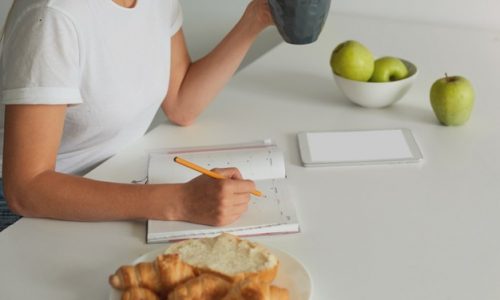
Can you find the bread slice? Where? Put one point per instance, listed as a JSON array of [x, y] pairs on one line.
[[228, 256]]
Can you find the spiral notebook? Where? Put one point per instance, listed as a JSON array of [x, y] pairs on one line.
[[263, 162]]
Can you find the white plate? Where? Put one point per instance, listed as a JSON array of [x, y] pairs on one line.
[[291, 275]]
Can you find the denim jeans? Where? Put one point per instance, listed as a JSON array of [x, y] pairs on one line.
[[6, 216]]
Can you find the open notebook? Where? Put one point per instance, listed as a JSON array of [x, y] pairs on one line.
[[262, 162]]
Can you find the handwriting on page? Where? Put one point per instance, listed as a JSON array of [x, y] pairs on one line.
[[272, 202], [253, 164]]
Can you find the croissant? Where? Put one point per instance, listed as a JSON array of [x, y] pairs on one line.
[[138, 293], [254, 289], [160, 276], [213, 287], [206, 286]]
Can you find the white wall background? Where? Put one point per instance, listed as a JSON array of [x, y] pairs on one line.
[[483, 14]]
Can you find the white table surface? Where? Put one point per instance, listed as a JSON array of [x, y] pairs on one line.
[[390, 232]]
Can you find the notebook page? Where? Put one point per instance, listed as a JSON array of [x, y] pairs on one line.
[[256, 164]]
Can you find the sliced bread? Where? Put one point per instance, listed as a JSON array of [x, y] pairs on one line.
[[228, 256]]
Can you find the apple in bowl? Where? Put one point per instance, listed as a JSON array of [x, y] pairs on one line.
[[352, 60], [377, 94], [368, 82], [389, 68]]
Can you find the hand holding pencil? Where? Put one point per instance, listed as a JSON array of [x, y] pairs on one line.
[[216, 202], [204, 171]]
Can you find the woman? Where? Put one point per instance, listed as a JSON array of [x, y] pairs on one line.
[[80, 80]]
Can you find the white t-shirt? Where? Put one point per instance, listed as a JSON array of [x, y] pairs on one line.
[[110, 64]]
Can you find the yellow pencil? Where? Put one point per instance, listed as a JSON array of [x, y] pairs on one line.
[[202, 170]]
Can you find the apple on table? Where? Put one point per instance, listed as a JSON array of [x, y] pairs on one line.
[[452, 99]]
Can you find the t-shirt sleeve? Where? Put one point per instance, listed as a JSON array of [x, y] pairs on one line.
[[39, 63], [175, 17]]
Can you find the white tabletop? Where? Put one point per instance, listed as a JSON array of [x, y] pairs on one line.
[[389, 232]]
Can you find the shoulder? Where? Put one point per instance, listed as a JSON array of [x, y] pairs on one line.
[[166, 7], [22, 7], [25, 12], [29, 19]]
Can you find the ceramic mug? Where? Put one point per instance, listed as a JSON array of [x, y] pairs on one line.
[[299, 21]]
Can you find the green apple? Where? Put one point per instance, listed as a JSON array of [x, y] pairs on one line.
[[389, 69], [452, 99], [352, 60]]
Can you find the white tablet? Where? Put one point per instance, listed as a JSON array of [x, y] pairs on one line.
[[328, 148]]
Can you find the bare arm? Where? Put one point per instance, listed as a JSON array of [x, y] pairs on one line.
[[193, 85], [33, 187]]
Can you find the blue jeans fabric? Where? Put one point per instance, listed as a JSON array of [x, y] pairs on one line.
[[7, 217]]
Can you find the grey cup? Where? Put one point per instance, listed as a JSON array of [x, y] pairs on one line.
[[299, 21]]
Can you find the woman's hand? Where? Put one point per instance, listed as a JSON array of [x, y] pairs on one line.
[[258, 15], [216, 202]]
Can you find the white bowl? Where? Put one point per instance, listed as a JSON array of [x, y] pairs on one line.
[[377, 94]]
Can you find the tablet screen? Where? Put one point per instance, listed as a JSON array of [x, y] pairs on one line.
[[358, 146]]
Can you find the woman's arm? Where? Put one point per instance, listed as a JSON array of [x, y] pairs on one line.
[[193, 85], [33, 188]]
